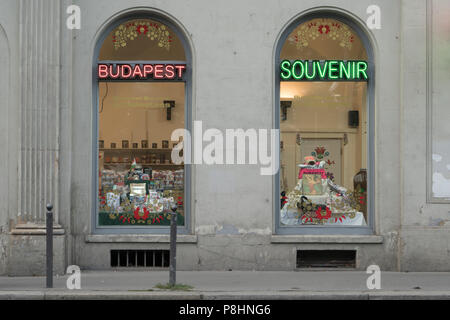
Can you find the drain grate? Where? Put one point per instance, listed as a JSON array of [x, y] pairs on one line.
[[140, 258], [326, 258]]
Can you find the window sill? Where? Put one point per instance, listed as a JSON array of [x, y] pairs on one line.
[[326, 239], [122, 238]]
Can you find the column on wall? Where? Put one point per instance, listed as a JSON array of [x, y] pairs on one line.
[[39, 111]]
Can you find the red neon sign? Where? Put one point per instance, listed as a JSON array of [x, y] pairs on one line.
[[108, 71]]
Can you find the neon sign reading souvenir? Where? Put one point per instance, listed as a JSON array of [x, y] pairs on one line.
[[117, 71], [333, 70]]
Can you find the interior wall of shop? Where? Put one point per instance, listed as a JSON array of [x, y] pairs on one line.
[[321, 113], [233, 87], [135, 112]]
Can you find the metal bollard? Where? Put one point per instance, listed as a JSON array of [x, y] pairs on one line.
[[173, 246], [49, 245]]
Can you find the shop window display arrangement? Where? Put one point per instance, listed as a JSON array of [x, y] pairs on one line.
[[317, 200], [140, 197]]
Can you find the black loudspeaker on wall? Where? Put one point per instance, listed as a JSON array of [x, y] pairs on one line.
[[353, 119]]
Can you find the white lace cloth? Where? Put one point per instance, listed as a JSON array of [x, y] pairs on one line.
[[290, 217]]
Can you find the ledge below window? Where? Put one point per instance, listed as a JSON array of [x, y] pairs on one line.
[[33, 229], [326, 239], [121, 238]]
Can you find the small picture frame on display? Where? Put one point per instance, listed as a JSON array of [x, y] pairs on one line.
[[312, 184]]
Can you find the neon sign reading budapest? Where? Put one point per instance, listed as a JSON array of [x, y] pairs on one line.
[[334, 70], [109, 71]]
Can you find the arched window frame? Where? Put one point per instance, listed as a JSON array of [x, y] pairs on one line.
[[187, 79], [363, 34]]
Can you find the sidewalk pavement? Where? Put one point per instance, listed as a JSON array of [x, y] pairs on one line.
[[233, 285]]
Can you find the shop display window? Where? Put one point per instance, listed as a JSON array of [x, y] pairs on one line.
[[324, 130], [138, 183]]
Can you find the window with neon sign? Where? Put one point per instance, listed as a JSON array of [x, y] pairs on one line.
[[141, 74], [323, 74]]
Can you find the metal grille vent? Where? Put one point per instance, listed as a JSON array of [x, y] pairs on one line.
[[326, 258], [140, 258]]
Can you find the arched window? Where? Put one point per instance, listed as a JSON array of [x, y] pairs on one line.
[[324, 81], [142, 77]]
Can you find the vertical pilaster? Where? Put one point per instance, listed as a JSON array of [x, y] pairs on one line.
[[39, 109]]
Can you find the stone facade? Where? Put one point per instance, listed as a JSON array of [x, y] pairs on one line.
[[46, 106]]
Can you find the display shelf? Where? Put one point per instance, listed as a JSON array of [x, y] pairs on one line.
[[145, 164], [137, 150]]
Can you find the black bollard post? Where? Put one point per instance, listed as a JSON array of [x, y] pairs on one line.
[[173, 246], [49, 245]]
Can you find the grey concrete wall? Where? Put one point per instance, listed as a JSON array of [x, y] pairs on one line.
[[233, 87], [28, 255], [232, 205], [4, 91], [9, 88], [30, 130], [425, 231]]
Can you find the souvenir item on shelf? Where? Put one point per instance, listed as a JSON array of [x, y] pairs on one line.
[[360, 180], [113, 200], [137, 189], [137, 200], [154, 204], [125, 144], [283, 198], [153, 194], [360, 185]]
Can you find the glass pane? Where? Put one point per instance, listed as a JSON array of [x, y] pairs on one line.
[[440, 73], [142, 39], [137, 180], [324, 124]]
